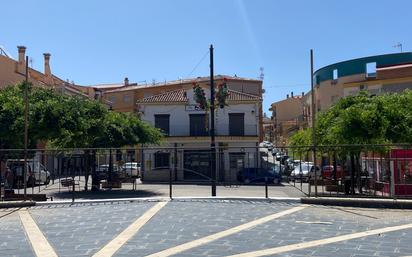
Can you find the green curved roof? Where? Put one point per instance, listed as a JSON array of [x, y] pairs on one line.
[[358, 66]]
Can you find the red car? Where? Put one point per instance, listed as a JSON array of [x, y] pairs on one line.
[[328, 171]]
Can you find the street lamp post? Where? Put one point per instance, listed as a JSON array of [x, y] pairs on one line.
[[212, 124], [313, 122], [26, 125]]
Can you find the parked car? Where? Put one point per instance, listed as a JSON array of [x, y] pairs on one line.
[[251, 175], [305, 171], [36, 173], [282, 158], [328, 172], [290, 166], [103, 171], [132, 169]]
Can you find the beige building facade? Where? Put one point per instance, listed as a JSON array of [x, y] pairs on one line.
[[13, 71]]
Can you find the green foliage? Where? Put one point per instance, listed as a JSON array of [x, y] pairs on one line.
[[68, 122], [365, 119], [300, 142]]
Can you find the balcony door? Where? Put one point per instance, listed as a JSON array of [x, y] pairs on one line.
[[236, 124], [162, 122], [198, 125]]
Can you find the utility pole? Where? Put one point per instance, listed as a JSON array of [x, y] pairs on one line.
[[313, 122], [26, 125], [212, 124]]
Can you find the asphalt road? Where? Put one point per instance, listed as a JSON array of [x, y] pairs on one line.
[[204, 228]]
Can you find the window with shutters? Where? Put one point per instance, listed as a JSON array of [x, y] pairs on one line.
[[162, 122], [236, 124], [198, 125]]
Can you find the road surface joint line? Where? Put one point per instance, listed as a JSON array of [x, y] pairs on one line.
[[113, 246], [228, 232], [309, 244], [38, 241]]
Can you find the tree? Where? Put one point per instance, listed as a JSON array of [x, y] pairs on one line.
[[68, 122]]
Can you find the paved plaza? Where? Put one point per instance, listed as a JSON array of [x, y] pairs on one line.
[[204, 228]]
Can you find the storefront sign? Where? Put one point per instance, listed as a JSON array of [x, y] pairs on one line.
[[193, 108]]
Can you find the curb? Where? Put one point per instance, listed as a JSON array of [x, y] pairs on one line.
[[4, 205], [359, 202], [154, 199], [330, 201]]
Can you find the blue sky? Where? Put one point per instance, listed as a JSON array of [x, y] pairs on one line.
[[104, 41]]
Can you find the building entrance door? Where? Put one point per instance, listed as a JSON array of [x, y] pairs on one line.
[[237, 164]]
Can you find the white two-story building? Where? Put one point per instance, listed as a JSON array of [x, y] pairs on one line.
[[186, 152]]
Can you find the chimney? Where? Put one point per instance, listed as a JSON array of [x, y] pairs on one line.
[[287, 96], [21, 65], [126, 81], [47, 70], [291, 94]]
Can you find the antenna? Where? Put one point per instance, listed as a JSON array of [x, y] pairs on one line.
[[399, 45], [261, 75]]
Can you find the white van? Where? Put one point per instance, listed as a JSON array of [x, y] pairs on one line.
[[36, 172]]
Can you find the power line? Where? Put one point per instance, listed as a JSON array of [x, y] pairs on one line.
[[197, 65]]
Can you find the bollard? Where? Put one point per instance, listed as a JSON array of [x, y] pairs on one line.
[[170, 185], [73, 189], [266, 188]]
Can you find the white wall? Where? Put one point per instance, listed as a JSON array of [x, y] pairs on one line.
[[180, 122]]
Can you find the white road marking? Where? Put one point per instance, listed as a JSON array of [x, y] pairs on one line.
[[113, 246], [299, 246], [314, 222], [228, 232], [38, 241]]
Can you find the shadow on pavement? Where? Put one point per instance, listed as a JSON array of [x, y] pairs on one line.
[[105, 194]]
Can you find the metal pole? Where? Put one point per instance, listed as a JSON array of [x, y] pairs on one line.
[[313, 121], [212, 123], [26, 124]]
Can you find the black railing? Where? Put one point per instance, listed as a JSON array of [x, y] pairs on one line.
[[346, 170]]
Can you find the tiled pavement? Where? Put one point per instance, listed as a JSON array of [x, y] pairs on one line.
[[83, 229]]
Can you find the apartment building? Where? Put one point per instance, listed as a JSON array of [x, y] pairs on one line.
[[124, 97], [13, 71], [376, 74], [186, 126], [380, 74], [288, 116]]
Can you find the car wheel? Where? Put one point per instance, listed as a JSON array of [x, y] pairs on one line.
[[247, 181], [47, 181], [276, 181]]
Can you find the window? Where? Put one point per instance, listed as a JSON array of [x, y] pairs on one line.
[[362, 87], [161, 160], [236, 124], [335, 74], [371, 69], [112, 99], [162, 122], [127, 99], [198, 125]]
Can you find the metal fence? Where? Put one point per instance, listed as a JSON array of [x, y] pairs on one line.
[[345, 170]]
